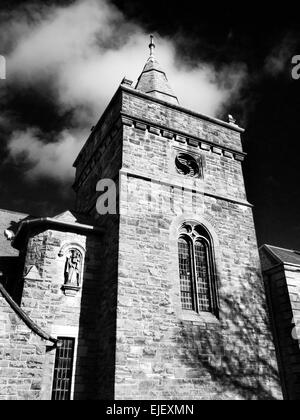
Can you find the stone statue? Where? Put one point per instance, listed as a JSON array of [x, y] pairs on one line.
[[73, 268]]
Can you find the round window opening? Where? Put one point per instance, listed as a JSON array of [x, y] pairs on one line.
[[187, 165]]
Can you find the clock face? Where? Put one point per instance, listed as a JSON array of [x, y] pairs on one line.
[[187, 165]]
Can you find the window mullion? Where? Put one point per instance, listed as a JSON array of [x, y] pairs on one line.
[[194, 277]]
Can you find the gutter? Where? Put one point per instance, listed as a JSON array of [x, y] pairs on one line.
[[25, 318], [27, 224]]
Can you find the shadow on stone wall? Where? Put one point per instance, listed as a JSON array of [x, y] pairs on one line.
[[95, 364], [11, 271], [12, 265], [235, 356], [234, 359]]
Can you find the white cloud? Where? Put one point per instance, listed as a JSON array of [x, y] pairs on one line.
[[52, 160], [83, 51]]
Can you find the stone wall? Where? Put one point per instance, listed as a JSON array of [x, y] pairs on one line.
[[162, 351], [101, 158], [283, 291], [65, 316], [22, 358], [56, 312], [179, 119], [107, 309]]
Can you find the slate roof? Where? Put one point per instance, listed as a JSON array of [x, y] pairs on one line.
[[283, 255], [154, 82], [9, 220]]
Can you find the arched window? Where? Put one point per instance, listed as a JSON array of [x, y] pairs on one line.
[[196, 269]]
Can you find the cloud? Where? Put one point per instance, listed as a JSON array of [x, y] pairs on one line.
[[205, 90], [52, 160], [279, 60], [82, 51]]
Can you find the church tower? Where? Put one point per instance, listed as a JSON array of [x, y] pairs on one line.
[[181, 310]]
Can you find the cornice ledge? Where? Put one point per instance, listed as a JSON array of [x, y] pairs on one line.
[[216, 121], [181, 137]]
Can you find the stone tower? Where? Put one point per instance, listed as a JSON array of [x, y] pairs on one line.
[[182, 311]]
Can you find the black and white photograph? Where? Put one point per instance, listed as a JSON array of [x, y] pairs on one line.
[[149, 203]]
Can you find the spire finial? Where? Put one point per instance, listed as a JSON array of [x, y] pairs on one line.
[[151, 46]]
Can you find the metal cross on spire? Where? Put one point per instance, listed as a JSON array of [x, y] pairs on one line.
[[151, 46]]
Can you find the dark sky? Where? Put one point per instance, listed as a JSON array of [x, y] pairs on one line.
[[268, 106]]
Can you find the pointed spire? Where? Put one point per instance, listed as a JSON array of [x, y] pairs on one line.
[[153, 79]]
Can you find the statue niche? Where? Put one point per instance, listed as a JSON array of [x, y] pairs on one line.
[[73, 268], [73, 272]]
